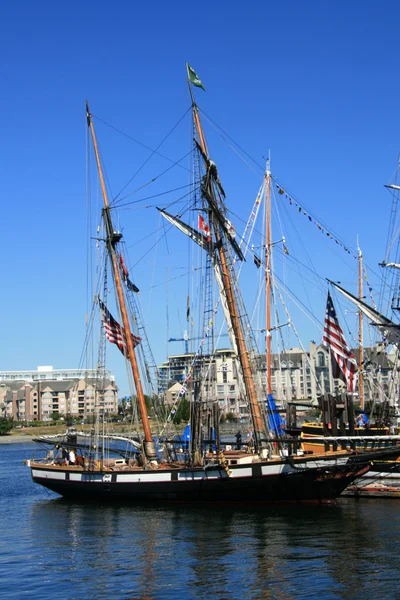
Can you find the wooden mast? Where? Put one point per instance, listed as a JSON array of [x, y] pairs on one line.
[[360, 338], [268, 274], [259, 428], [112, 239]]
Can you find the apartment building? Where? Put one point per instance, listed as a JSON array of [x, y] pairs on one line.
[[295, 375], [37, 395], [219, 379]]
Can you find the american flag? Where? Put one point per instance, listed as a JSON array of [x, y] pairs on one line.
[[114, 332], [344, 364]]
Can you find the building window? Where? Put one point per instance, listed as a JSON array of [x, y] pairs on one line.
[[321, 359]]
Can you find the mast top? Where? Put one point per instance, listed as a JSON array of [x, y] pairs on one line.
[[88, 115], [268, 165], [358, 248]]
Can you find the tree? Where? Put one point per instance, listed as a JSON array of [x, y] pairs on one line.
[[6, 425], [69, 420], [55, 416], [183, 412], [125, 406]]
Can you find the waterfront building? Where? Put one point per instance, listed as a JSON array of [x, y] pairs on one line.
[[295, 375], [219, 375], [37, 395]]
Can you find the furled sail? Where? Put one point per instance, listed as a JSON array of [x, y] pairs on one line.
[[390, 330], [203, 242]]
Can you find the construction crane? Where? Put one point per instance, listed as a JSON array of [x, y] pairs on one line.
[[187, 339]]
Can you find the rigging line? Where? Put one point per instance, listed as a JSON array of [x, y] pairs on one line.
[[391, 238], [310, 213], [164, 235], [89, 208], [300, 304], [285, 268], [171, 279], [277, 321], [308, 359], [316, 279], [344, 320], [242, 239], [154, 260], [166, 266], [293, 259], [156, 195], [217, 127], [151, 234], [137, 141], [379, 276], [115, 203], [151, 155], [90, 325], [389, 278], [237, 153], [310, 266]]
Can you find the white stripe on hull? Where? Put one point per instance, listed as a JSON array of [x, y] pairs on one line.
[[269, 469], [48, 474], [142, 477], [247, 472], [200, 475]]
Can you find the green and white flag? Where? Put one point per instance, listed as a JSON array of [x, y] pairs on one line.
[[193, 77]]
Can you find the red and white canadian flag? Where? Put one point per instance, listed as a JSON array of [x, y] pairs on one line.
[[203, 226]]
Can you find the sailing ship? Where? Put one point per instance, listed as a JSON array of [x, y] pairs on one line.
[[339, 424], [383, 479], [151, 470]]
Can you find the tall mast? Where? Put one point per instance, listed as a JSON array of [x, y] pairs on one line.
[[360, 334], [112, 239], [258, 423], [268, 274]]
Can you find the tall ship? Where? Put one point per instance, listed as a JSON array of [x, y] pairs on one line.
[[376, 421], [151, 468]]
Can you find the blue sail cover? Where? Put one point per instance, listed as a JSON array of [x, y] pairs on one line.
[[275, 420], [186, 434]]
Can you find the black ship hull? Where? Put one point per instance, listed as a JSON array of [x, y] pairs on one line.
[[270, 482]]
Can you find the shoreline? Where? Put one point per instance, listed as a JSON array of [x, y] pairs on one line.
[[15, 439]]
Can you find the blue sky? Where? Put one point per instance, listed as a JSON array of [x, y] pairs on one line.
[[314, 83]]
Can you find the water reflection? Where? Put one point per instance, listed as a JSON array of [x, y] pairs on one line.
[[134, 552], [72, 550]]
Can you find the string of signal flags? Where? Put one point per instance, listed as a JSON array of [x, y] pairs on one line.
[[282, 192], [292, 202]]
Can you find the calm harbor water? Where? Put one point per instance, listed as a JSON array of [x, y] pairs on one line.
[[50, 548]]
